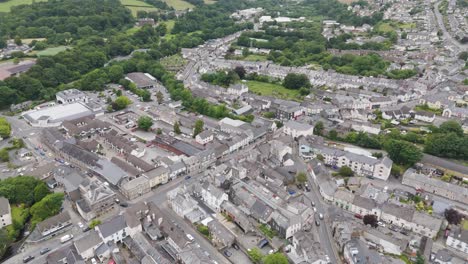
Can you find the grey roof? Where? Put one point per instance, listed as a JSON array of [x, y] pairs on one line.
[[260, 210], [402, 212], [141, 79], [53, 221], [365, 203], [459, 234], [109, 171], [112, 226], [427, 221], [92, 239], [161, 170], [4, 206], [297, 126]]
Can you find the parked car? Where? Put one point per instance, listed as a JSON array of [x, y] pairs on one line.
[[188, 177], [321, 216], [382, 224], [44, 250], [358, 216], [27, 259], [227, 253], [307, 187]]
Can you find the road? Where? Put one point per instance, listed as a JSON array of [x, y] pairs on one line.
[[326, 239], [446, 34]]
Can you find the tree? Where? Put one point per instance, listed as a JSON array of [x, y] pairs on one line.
[[94, 223], [451, 126], [115, 73], [402, 152], [5, 128], [296, 81], [4, 241], [275, 258], [419, 259], [18, 41], [40, 191], [198, 127], [345, 171], [333, 135], [318, 128], [453, 216], [160, 97], [255, 255], [240, 70], [301, 177], [320, 157], [177, 128], [159, 131], [371, 220], [145, 123], [121, 103], [47, 207]]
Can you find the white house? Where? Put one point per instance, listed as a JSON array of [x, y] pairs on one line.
[[296, 129], [5, 212], [113, 230], [237, 89], [424, 116], [71, 96], [458, 239], [213, 196], [204, 137]]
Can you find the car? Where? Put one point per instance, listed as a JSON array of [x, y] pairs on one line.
[[235, 246], [188, 177], [313, 204], [358, 216], [321, 216], [44, 250], [117, 200], [382, 224], [317, 222], [80, 225], [227, 253], [299, 186], [307, 187], [315, 209], [123, 204], [190, 237], [27, 259], [93, 261]]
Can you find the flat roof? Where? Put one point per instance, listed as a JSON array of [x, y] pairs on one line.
[[58, 113]]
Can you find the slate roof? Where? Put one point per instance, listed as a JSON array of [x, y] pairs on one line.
[[112, 226], [92, 239]]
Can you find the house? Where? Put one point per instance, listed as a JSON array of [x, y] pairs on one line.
[[285, 226], [424, 116], [296, 129], [386, 243], [356, 251], [97, 199], [221, 236], [71, 96], [237, 216], [194, 256], [136, 187], [213, 196], [86, 245], [181, 202], [237, 89], [458, 239], [54, 224], [306, 250], [204, 137], [5, 212], [157, 176], [67, 254], [114, 230]]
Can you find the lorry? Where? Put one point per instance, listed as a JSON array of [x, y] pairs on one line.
[[65, 238]]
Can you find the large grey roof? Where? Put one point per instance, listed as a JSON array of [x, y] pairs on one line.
[[365, 203], [109, 171], [405, 213], [112, 226], [90, 240]]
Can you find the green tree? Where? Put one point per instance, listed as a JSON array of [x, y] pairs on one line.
[[121, 102], [115, 73], [451, 126], [159, 97], [47, 207], [255, 255], [5, 128], [94, 223], [198, 127], [402, 152], [177, 128], [301, 177], [40, 191], [296, 81], [345, 171], [318, 128], [5, 241], [18, 41], [19, 190], [145, 123], [320, 157], [4, 155], [275, 258], [158, 131]]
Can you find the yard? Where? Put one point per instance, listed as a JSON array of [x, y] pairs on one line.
[[6, 6], [272, 89], [51, 51], [179, 4], [136, 5]]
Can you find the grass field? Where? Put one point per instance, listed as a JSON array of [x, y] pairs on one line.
[[209, 2], [5, 6], [51, 51], [136, 5], [179, 4], [255, 57], [271, 89], [173, 63], [388, 27]]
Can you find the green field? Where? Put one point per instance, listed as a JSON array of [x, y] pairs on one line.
[[255, 57], [271, 89], [179, 4], [173, 63], [6, 6], [209, 2], [392, 26], [51, 51], [136, 5], [464, 224]]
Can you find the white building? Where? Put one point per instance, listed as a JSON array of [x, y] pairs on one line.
[[458, 239], [71, 96], [213, 196], [5, 212], [54, 116], [296, 129], [424, 116], [204, 137], [113, 230]]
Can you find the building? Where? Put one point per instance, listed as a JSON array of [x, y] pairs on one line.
[[86, 245], [360, 164], [54, 116], [306, 250], [356, 252], [142, 80], [54, 224], [296, 129], [136, 187], [97, 199], [204, 137], [221, 236], [213, 196], [5, 212], [458, 239], [424, 116], [114, 229], [157, 176], [71, 96]]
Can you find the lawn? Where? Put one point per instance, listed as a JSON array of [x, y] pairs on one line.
[[385, 27], [179, 4], [173, 63], [51, 51], [255, 57], [6, 6], [169, 24], [464, 224], [136, 5], [271, 89], [209, 2]]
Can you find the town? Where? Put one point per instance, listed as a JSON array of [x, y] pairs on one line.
[[303, 132]]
